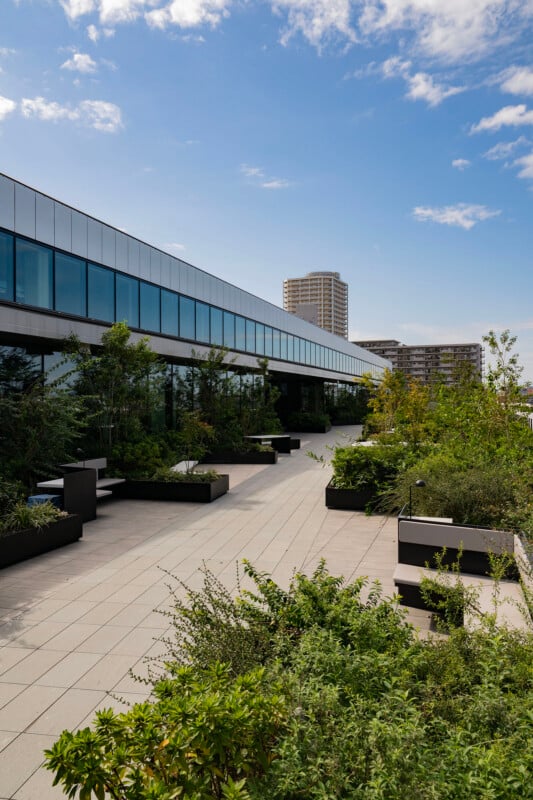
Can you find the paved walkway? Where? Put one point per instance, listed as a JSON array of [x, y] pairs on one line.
[[74, 621]]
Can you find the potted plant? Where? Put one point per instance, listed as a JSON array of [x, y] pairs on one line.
[[30, 531], [361, 474]]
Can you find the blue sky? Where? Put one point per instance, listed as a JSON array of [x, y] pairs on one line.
[[390, 140]]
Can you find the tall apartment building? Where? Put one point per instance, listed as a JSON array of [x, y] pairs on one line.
[[320, 298], [427, 361]]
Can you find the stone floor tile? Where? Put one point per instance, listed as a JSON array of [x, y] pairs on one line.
[[26, 707], [34, 665], [10, 656], [104, 639], [107, 672], [67, 712], [20, 759], [71, 637], [68, 671]]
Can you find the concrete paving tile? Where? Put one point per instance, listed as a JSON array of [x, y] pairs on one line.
[[8, 691], [132, 615], [102, 613], [5, 738], [20, 759], [67, 712], [39, 634], [104, 639], [138, 642], [72, 611], [34, 665], [68, 671], [26, 707], [10, 656], [39, 785], [71, 637], [107, 672]]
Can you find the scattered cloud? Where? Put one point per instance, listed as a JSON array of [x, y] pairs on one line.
[[517, 80], [80, 62], [318, 21], [525, 163], [175, 246], [506, 116], [258, 177], [95, 33], [504, 150], [77, 8], [7, 107], [420, 85], [188, 13], [6, 51], [462, 215], [460, 163], [98, 114]]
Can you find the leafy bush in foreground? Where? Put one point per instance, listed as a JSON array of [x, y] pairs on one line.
[[341, 700]]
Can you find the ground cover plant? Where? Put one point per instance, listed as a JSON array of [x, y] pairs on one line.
[[319, 691]]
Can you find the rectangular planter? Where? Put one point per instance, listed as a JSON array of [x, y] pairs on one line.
[[20, 545], [229, 457], [179, 491], [348, 499]]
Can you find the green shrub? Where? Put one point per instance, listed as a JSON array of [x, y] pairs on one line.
[[11, 492], [137, 459], [168, 475], [21, 517], [308, 421], [373, 468]]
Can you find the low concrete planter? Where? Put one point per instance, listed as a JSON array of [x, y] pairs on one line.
[[178, 491], [348, 499], [231, 457], [20, 545]]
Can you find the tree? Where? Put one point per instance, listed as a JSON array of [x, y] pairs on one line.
[[504, 375]]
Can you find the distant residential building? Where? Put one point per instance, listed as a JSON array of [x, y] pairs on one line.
[[320, 298], [427, 362]]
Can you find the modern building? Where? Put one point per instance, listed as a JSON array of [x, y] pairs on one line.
[[427, 362], [63, 272], [320, 298]]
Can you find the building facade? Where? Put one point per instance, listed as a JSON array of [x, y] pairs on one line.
[[428, 362], [63, 272], [320, 298]]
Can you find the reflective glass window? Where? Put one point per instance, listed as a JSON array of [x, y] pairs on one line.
[[229, 330], [216, 326], [6, 266], [260, 339], [187, 318], [34, 274], [127, 300], [150, 307], [240, 333], [250, 336], [101, 293], [276, 343], [169, 313], [71, 285], [268, 340], [283, 345], [307, 351], [296, 348], [290, 347], [202, 322]]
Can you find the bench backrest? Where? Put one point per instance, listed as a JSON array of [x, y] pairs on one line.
[[434, 534], [89, 463]]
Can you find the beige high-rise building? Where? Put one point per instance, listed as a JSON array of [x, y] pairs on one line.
[[321, 298]]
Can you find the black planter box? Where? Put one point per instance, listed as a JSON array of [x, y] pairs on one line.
[[348, 499], [20, 545], [231, 457], [178, 491]]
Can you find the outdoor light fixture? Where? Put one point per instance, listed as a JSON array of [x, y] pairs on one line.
[[419, 484]]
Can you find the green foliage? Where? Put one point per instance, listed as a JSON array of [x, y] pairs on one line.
[[373, 468], [309, 421], [168, 475], [10, 493], [20, 517], [326, 693], [346, 406], [195, 436], [137, 459]]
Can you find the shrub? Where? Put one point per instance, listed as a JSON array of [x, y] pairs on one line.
[[309, 421], [168, 475], [372, 468], [21, 517], [137, 459]]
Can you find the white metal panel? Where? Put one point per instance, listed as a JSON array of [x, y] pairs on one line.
[[108, 246], [94, 240], [44, 219], [24, 210], [133, 257], [175, 274], [155, 266], [144, 254], [165, 270], [79, 234], [63, 227], [7, 203], [121, 251]]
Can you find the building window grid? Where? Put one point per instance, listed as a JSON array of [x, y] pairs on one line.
[[298, 350]]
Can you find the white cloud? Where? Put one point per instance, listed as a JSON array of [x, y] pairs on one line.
[[517, 80], [506, 116], [460, 163], [93, 33], [97, 114], [316, 20], [503, 150], [176, 246], [7, 107], [526, 166], [462, 215], [450, 30], [420, 85], [252, 172], [275, 183], [80, 62], [188, 13], [77, 8]]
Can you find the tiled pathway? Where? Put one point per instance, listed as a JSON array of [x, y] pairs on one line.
[[74, 621]]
